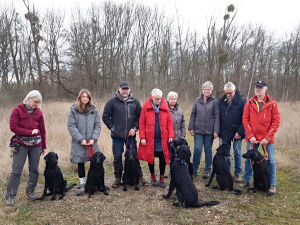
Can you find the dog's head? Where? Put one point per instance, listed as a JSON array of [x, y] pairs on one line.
[[223, 150], [254, 155], [180, 149], [184, 153], [131, 152], [51, 159], [98, 159]]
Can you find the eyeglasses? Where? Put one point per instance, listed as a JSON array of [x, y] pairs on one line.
[[36, 102], [157, 99], [228, 93]]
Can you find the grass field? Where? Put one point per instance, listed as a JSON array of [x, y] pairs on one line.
[[147, 206]]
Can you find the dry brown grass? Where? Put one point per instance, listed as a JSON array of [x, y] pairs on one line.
[[146, 206]]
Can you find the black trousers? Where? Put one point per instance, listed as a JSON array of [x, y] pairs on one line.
[[162, 163]]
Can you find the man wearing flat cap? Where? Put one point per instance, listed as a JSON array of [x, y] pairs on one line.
[[121, 115], [261, 120]]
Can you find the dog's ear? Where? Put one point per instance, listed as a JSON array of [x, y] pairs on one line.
[[56, 156], [46, 157], [103, 157]]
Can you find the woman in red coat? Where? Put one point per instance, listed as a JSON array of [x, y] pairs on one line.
[[156, 131]]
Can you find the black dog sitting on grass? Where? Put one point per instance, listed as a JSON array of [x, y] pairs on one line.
[[95, 178], [260, 170], [54, 180], [220, 169], [131, 174], [186, 191]]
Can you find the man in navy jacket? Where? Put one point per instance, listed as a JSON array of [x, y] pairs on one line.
[[231, 107]]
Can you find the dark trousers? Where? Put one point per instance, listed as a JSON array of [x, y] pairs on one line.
[[118, 149], [81, 170], [19, 159], [162, 163]]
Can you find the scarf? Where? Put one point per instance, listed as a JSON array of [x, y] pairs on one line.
[[155, 107]]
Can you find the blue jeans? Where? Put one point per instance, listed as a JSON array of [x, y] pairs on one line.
[[199, 141], [271, 164], [237, 151]]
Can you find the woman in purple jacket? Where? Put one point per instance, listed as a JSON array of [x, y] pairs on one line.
[[27, 122]]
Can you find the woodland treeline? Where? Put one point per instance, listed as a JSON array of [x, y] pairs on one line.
[[111, 42]]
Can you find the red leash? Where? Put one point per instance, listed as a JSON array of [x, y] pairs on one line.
[[90, 151]]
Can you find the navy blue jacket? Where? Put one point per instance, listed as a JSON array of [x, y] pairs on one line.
[[231, 116]]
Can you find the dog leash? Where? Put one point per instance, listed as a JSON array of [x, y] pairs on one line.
[[90, 150], [266, 155]]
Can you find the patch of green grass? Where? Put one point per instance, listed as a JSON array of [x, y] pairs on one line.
[[24, 214]]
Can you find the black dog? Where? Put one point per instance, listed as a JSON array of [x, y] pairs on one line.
[[54, 180], [260, 170], [95, 178], [186, 153], [186, 191], [131, 174], [223, 176]]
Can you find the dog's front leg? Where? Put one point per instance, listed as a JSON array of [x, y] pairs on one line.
[[44, 192], [54, 187], [171, 189], [211, 178], [103, 186]]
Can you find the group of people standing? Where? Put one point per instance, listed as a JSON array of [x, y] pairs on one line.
[[159, 121]]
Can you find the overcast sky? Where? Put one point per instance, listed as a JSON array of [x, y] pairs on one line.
[[278, 16]]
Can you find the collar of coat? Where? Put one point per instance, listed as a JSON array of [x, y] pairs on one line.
[[235, 99], [130, 96], [210, 98], [164, 105]]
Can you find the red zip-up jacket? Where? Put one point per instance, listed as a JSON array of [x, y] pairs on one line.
[[264, 123], [22, 123]]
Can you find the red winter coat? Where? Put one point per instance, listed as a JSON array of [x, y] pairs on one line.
[[22, 123], [263, 124], [147, 130]]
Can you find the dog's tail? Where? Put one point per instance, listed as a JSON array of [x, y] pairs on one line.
[[237, 191], [211, 203], [68, 188]]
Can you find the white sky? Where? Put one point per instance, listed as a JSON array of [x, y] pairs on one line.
[[278, 16]]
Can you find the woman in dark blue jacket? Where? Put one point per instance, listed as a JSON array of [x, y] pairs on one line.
[[231, 107]]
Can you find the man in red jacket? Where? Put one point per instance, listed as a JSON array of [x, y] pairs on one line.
[[261, 120]]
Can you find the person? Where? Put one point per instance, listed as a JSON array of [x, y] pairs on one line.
[[84, 128], [156, 131], [261, 120], [121, 115], [177, 115], [231, 107], [204, 125], [27, 123]]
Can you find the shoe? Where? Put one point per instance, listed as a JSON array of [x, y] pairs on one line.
[[9, 200], [206, 175], [162, 181], [237, 177], [153, 180], [244, 184], [81, 189], [116, 183], [30, 195], [272, 190], [144, 182]]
